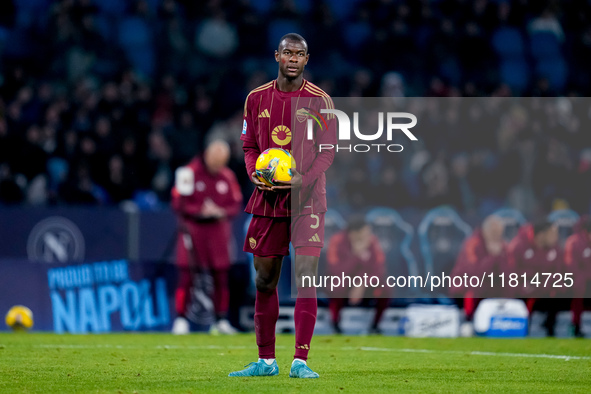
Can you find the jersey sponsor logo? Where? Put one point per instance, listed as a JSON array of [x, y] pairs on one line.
[[222, 187], [252, 242], [281, 135], [244, 127], [264, 114], [315, 238]]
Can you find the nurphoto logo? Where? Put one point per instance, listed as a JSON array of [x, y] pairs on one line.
[[344, 130]]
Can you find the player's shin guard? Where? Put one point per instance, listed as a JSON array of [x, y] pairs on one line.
[[306, 308], [266, 313]]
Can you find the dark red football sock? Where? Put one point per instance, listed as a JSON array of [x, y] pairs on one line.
[[182, 291], [306, 308], [381, 306], [577, 307], [266, 312], [335, 305], [221, 294]]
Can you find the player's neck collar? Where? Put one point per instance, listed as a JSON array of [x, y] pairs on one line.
[[276, 87]]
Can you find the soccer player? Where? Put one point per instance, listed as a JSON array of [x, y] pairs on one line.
[[483, 251], [356, 251], [277, 219], [206, 194]]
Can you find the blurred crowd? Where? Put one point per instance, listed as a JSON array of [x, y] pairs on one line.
[[100, 101], [474, 154]]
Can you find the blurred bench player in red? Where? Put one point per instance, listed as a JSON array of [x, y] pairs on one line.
[[535, 250], [356, 251], [484, 251], [205, 196], [577, 259]]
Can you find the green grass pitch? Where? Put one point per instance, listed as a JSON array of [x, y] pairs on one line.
[[162, 363]]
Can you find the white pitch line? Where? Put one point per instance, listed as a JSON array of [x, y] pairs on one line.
[[474, 353], [364, 348], [158, 347]]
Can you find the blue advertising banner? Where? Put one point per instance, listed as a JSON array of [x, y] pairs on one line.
[[92, 297], [63, 234]]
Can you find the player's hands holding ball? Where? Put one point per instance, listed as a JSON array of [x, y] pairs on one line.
[[258, 183], [275, 170], [295, 181]]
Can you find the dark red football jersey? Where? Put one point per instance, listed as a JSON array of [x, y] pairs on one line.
[[268, 124], [222, 188]]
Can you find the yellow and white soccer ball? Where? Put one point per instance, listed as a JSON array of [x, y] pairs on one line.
[[274, 165], [19, 318]]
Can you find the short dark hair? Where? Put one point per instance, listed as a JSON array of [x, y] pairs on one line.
[[541, 226], [293, 37], [356, 223]]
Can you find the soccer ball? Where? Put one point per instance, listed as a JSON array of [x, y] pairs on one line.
[[274, 165], [19, 318]]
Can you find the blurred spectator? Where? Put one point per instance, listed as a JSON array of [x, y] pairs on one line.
[[216, 37], [83, 82]]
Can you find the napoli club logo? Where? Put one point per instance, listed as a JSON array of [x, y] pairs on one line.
[[55, 240]]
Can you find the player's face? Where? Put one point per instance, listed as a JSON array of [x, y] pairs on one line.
[[495, 232], [292, 57], [552, 236], [360, 239]]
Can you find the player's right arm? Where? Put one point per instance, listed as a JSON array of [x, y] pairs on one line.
[[249, 144]]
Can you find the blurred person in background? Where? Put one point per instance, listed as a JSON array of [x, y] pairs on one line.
[[483, 251], [535, 250], [205, 196], [577, 259], [356, 251]]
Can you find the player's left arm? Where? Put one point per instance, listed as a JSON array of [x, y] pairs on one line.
[[325, 157]]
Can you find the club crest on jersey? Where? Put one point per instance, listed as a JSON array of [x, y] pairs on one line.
[[281, 135], [252, 242], [222, 187], [301, 115]]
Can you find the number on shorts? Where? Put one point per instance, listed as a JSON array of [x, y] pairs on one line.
[[317, 221]]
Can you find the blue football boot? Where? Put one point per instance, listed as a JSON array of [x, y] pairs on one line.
[[260, 368], [300, 370]]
